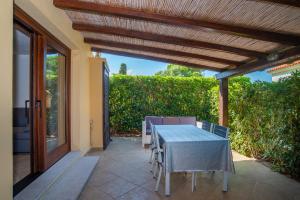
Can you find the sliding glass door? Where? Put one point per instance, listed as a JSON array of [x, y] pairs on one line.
[[41, 133], [55, 76], [22, 104]]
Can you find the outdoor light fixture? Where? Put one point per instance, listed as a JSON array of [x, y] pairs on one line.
[[273, 57]]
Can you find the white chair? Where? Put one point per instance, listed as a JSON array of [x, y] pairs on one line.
[[146, 129], [159, 159], [153, 146]]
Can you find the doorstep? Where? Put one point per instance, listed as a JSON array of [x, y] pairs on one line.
[[73, 171]]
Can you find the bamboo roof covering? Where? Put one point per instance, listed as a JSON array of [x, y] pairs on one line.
[[207, 52], [232, 36], [215, 37], [184, 59]]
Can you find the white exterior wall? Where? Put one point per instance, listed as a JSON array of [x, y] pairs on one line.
[[6, 62], [57, 23], [283, 72], [276, 78]]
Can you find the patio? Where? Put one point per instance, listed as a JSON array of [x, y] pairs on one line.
[[123, 172], [231, 37]]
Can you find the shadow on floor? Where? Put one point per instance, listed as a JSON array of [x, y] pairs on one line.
[[123, 172]]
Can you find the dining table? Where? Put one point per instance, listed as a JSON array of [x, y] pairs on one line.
[[188, 148]]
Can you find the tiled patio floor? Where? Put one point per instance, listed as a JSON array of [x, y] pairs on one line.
[[123, 172]]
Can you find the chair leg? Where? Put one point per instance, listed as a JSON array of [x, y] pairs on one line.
[[158, 179], [156, 167], [153, 163], [150, 160]]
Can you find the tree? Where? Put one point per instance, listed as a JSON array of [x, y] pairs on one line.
[[179, 70], [123, 69]]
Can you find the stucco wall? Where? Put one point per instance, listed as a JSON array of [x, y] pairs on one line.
[[56, 22], [96, 107], [6, 53]]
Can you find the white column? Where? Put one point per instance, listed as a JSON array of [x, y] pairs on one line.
[[80, 101], [96, 101], [6, 77]]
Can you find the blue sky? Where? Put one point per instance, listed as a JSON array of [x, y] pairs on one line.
[[136, 66]]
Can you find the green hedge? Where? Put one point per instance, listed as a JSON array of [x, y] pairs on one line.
[[264, 117], [134, 97], [265, 122]]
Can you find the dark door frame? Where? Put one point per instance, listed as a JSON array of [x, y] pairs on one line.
[[41, 37], [53, 156], [32, 117], [106, 132]]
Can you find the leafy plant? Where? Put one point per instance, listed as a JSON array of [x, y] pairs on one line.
[[179, 70], [264, 118], [123, 69]]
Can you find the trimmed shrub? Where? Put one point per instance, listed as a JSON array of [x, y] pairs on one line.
[[264, 117], [134, 97]]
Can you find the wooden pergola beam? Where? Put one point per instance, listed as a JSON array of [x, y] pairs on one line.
[[155, 58], [104, 9], [159, 51], [272, 60], [223, 102], [295, 3], [164, 39]]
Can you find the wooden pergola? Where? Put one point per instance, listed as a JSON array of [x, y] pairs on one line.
[[232, 37]]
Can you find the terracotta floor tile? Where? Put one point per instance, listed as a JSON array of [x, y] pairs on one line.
[[117, 187], [141, 194], [123, 172], [93, 193]]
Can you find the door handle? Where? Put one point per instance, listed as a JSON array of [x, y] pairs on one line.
[[38, 104]]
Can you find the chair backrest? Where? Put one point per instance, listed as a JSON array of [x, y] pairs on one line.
[[207, 126], [188, 120], [155, 120], [153, 143], [171, 120], [221, 131], [157, 145]]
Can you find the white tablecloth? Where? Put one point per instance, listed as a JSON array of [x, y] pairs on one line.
[[189, 148]]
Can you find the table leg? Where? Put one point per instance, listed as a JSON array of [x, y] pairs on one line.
[[225, 181], [193, 181], [167, 184]]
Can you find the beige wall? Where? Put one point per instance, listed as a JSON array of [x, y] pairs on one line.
[[84, 102], [56, 22], [6, 52], [96, 106]]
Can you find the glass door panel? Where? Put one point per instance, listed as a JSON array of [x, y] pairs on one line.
[[55, 97], [22, 105], [41, 121]]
